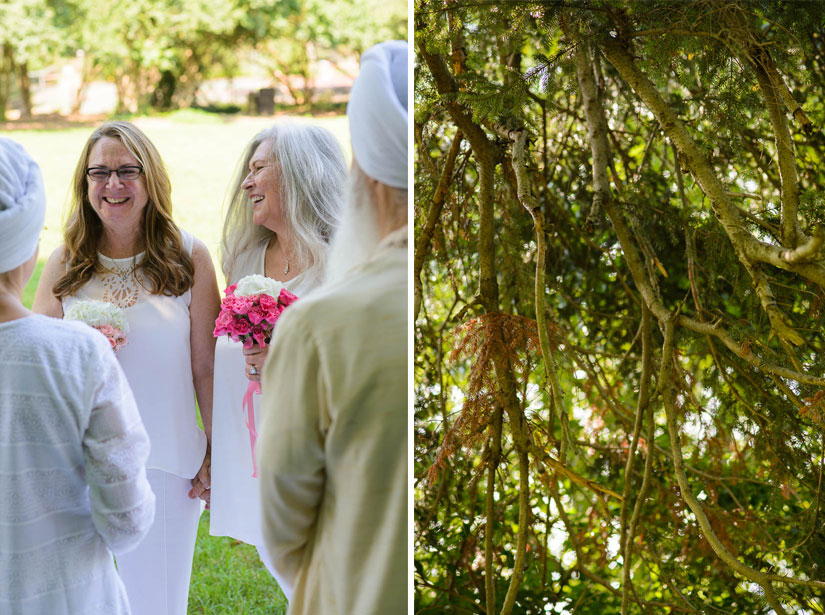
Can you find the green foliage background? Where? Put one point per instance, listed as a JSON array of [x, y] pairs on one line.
[[158, 52], [752, 441]]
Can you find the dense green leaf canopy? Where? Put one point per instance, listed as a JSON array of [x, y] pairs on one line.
[[158, 52], [619, 281]]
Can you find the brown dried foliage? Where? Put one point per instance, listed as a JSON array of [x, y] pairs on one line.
[[814, 408], [481, 339]]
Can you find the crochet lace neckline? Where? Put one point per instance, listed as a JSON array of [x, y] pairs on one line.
[[121, 279]]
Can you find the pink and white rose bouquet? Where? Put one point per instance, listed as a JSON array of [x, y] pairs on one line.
[[248, 315], [105, 317], [251, 308]]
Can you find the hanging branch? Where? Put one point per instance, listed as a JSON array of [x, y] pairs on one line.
[[597, 127], [529, 202], [492, 465], [764, 580], [727, 212], [743, 42], [424, 241], [643, 406], [487, 155]]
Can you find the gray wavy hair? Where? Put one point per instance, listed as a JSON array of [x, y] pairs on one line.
[[313, 179]]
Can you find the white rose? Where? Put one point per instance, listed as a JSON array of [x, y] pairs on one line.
[[258, 285], [97, 314]]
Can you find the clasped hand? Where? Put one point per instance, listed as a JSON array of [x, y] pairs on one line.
[[202, 483], [255, 357]]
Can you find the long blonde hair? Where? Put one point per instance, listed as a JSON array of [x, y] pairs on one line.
[[312, 180], [166, 266]]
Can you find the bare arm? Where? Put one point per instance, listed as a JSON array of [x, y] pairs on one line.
[[44, 300], [203, 310]]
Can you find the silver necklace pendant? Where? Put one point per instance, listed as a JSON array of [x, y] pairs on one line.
[[286, 269]]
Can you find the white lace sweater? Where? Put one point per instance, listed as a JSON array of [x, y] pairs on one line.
[[72, 470]]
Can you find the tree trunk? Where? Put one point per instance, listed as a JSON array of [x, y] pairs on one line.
[[25, 90], [88, 73], [6, 72]]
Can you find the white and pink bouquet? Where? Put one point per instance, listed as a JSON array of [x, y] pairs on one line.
[[248, 315], [251, 308], [105, 317]]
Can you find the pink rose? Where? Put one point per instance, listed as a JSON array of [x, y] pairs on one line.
[[241, 326], [286, 298], [241, 305], [256, 314], [223, 322], [229, 291], [258, 335], [267, 302], [273, 314]]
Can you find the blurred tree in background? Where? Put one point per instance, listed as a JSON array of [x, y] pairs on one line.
[[158, 52], [27, 39], [619, 357]]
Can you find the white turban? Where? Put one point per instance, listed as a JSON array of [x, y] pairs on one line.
[[22, 205], [377, 111]]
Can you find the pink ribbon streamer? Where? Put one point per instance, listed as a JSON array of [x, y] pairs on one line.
[[248, 409]]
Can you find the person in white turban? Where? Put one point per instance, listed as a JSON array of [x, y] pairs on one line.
[[72, 446], [333, 445]]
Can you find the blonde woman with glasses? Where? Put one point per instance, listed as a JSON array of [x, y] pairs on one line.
[[122, 246]]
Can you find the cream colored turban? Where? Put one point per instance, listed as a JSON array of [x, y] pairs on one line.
[[377, 111], [22, 205]]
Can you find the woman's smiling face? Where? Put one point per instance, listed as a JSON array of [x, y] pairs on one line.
[[116, 201], [263, 188]]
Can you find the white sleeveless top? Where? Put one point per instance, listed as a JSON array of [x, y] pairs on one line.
[[157, 360], [235, 508]]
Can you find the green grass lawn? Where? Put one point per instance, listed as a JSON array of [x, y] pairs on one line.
[[201, 152], [228, 578]]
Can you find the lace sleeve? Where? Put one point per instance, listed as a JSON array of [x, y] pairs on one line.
[[116, 447]]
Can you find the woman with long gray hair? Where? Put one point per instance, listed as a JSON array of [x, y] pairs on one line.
[[284, 206]]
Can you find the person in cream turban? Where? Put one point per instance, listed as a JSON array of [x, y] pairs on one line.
[[333, 445], [72, 446]]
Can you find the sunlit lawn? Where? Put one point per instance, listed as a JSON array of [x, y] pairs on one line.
[[228, 578], [201, 152]]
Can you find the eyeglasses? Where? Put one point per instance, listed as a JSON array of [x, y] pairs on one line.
[[101, 174]]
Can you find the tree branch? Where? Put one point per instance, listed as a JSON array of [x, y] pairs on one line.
[[763, 579], [495, 455], [767, 75], [643, 406], [528, 201], [726, 211], [424, 240]]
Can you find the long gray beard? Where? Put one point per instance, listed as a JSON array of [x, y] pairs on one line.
[[357, 235]]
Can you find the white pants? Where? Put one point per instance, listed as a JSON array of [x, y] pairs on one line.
[[156, 574]]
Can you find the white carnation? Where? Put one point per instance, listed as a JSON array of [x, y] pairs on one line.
[[97, 314], [258, 285]]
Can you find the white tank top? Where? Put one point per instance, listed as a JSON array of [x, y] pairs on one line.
[[157, 360]]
